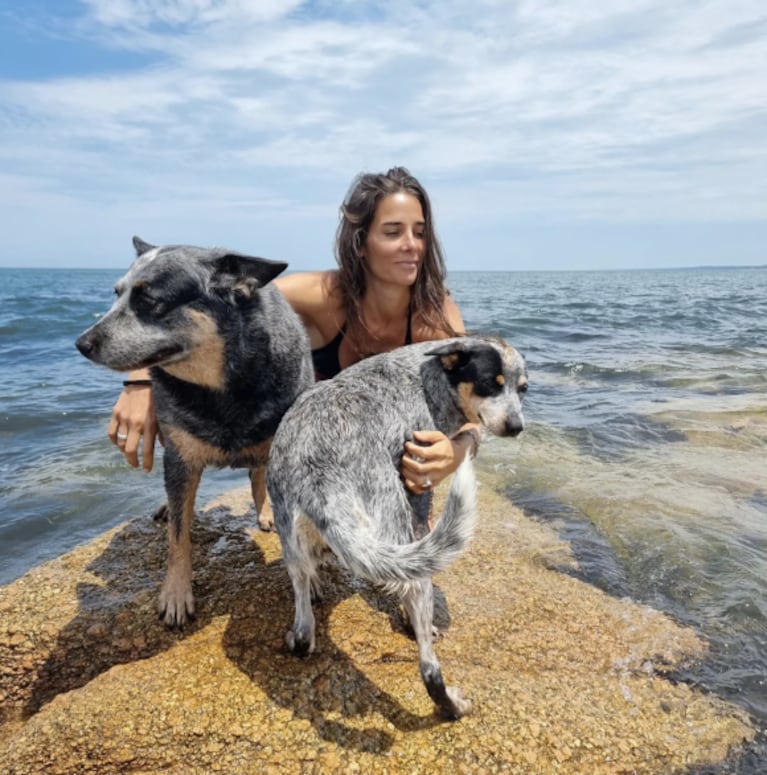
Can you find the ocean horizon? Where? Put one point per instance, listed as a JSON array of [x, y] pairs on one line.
[[679, 268]]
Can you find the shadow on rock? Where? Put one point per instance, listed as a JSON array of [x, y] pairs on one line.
[[327, 688], [117, 620], [117, 623]]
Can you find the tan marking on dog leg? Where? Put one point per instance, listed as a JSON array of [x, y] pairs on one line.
[[176, 603], [308, 538], [205, 365], [260, 499]]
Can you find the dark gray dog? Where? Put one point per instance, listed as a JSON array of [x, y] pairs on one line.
[[333, 476], [227, 356]]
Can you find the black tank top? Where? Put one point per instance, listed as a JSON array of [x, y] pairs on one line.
[[325, 358]]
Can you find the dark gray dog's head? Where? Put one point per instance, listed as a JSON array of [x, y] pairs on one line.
[[169, 302]]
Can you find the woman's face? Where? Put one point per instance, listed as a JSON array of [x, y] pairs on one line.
[[395, 243]]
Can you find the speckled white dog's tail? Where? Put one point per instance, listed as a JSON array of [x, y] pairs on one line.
[[396, 564]]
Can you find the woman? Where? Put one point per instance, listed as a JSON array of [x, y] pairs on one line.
[[388, 290]]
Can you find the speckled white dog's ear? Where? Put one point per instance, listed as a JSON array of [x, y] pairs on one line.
[[457, 353]]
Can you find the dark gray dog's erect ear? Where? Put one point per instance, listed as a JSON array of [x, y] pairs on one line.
[[141, 246], [244, 275]]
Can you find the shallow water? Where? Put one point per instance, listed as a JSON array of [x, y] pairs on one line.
[[646, 443]]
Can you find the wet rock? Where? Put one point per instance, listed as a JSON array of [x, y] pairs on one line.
[[563, 678]]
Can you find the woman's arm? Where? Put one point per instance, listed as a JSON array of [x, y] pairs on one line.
[[133, 426], [437, 456]]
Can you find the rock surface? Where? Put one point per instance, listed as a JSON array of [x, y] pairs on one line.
[[564, 679]]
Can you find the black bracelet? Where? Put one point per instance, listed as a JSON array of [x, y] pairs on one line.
[[137, 382]]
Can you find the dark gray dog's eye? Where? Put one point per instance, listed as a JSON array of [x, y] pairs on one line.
[[144, 302]]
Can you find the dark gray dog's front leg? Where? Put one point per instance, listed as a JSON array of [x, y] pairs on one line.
[[176, 603]]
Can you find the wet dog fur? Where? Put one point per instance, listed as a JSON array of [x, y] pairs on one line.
[[333, 477], [227, 357]]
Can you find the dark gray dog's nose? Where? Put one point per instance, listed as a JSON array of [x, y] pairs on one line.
[[514, 426], [85, 345]]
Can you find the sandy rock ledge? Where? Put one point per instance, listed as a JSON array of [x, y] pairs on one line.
[[564, 679]]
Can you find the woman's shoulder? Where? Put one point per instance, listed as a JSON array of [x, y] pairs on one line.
[[310, 292], [425, 329], [316, 298]]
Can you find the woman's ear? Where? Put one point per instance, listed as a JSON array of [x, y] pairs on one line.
[[358, 243]]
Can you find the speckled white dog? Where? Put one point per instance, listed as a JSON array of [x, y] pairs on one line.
[[334, 481]]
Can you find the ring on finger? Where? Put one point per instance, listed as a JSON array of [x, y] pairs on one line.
[[122, 436], [427, 485]]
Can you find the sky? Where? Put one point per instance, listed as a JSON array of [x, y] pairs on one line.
[[550, 134]]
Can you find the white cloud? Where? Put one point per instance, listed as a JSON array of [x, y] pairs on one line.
[[144, 13], [633, 110]]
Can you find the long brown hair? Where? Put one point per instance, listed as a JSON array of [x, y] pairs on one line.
[[357, 212]]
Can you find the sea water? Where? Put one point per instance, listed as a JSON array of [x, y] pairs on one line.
[[645, 445]]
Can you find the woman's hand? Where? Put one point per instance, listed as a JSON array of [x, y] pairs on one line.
[[427, 463], [134, 422]]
